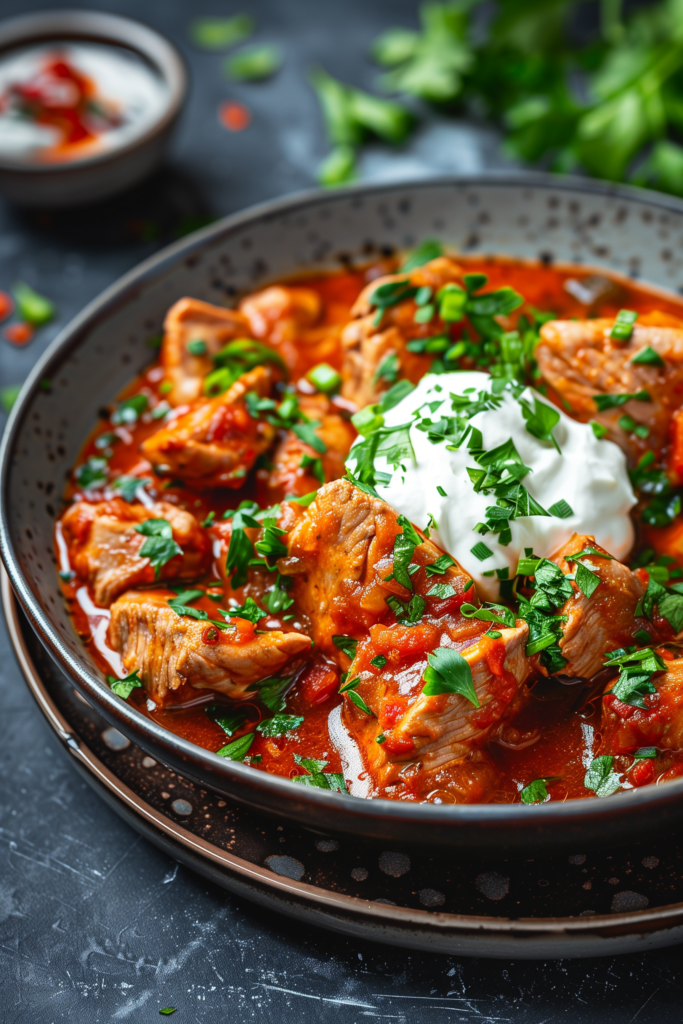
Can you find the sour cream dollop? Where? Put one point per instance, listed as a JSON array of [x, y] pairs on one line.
[[589, 474]]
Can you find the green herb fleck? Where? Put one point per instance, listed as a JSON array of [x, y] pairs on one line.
[[159, 545]]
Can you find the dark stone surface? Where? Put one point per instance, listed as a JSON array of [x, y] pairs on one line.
[[95, 924]]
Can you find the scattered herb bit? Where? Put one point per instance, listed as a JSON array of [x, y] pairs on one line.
[[8, 396], [254, 63], [593, 552], [238, 749], [648, 357], [278, 598], [129, 486], [220, 33], [536, 792], [197, 347], [379, 661], [168, 1010], [428, 250], [236, 358], [388, 369], [241, 549], [448, 672], [317, 777], [561, 509], [124, 687], [325, 378], [440, 566], [598, 429], [600, 777], [209, 519], [407, 614], [649, 753], [404, 549], [35, 309], [249, 610], [130, 410], [230, 722], [380, 739], [356, 699], [497, 613], [159, 545], [185, 611], [304, 501], [541, 420], [279, 725], [481, 552], [586, 581], [441, 591], [623, 325], [271, 692], [346, 644], [604, 402], [636, 671], [441, 490], [315, 465], [92, 473]]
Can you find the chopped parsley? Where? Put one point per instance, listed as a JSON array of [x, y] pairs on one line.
[[604, 402], [388, 369], [407, 614], [441, 591], [623, 325], [379, 661], [481, 552], [317, 776], [278, 598], [346, 644], [441, 566], [449, 672], [427, 251], [600, 777], [130, 410], [124, 687], [561, 509], [238, 749], [586, 581], [404, 549], [537, 791], [278, 725], [668, 601], [241, 549], [230, 722], [92, 473], [497, 613], [129, 486], [315, 465], [197, 347], [541, 420], [159, 545], [271, 692], [636, 669], [249, 610], [598, 429], [648, 357], [325, 378]]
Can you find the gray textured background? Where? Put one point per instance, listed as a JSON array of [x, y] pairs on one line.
[[95, 925]]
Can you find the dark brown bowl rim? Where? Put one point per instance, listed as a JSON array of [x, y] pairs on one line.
[[486, 817], [99, 26]]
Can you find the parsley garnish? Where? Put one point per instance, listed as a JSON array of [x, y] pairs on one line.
[[536, 792], [346, 644], [541, 420], [427, 251], [636, 671], [317, 776], [315, 466], [229, 722], [598, 429], [604, 402], [481, 552], [404, 549], [379, 661], [130, 410], [249, 610], [441, 591], [124, 687], [667, 600], [448, 672], [271, 692], [278, 598], [497, 613], [278, 725], [241, 549], [600, 777], [238, 749], [623, 325], [586, 581], [407, 614], [561, 509], [92, 473], [648, 357], [441, 566], [129, 486], [159, 545]]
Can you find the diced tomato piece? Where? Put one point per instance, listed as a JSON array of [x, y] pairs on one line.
[[320, 683], [643, 773], [392, 709], [19, 334], [676, 452], [6, 305], [398, 744]]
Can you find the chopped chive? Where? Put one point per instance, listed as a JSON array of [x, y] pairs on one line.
[[598, 429], [481, 552], [623, 325], [197, 347], [325, 378], [441, 490], [254, 63], [648, 357], [561, 509]]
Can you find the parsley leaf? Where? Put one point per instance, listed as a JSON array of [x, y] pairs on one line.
[[159, 545], [536, 792], [586, 581], [497, 613], [404, 549], [230, 722], [346, 644], [238, 749], [541, 420], [407, 614], [648, 357], [124, 687], [636, 671], [271, 692], [317, 777], [449, 672], [278, 725], [604, 402], [441, 566], [600, 777]]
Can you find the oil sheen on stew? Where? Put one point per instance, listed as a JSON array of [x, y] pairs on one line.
[[408, 530]]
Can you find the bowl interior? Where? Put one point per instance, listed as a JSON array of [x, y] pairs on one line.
[[632, 233]]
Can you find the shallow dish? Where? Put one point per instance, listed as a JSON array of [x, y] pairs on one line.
[[100, 175], [528, 217]]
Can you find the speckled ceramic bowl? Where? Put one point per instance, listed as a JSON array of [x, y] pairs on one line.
[[535, 217]]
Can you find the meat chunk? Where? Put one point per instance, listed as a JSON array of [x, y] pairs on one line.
[[281, 312], [340, 553], [217, 442], [104, 545], [169, 650], [626, 728], [604, 621], [580, 360], [295, 469], [187, 321], [367, 345]]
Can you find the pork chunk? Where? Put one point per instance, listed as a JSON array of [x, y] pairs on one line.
[[104, 545], [216, 443], [580, 360], [626, 728], [191, 320], [604, 621], [281, 312], [367, 345], [169, 650]]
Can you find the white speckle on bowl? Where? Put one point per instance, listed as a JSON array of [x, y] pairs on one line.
[[359, 874], [587, 913], [577, 858], [326, 845], [115, 740], [492, 885], [650, 862], [182, 807], [148, 762], [394, 864], [286, 866], [431, 897], [389, 903], [627, 901]]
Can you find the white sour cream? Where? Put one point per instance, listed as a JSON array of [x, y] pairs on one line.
[[588, 473]]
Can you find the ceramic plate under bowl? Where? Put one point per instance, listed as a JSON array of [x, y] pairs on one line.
[[544, 908], [627, 231]]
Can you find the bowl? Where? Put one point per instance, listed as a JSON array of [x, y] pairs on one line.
[[88, 179], [535, 217]]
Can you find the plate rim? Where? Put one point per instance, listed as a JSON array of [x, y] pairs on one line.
[[599, 926], [266, 786]]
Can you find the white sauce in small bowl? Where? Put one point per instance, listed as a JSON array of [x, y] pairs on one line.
[[130, 97]]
